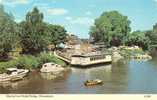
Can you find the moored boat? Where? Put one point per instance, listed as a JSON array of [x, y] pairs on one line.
[[13, 74], [51, 71], [91, 58], [51, 68], [93, 82]]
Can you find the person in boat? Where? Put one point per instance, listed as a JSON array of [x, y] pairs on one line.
[[93, 82]]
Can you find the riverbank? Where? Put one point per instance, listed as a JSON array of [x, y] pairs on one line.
[[33, 62], [133, 52], [30, 62]]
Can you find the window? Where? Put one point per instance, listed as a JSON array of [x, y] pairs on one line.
[[97, 57]]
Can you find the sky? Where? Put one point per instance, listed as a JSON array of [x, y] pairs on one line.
[[78, 15]]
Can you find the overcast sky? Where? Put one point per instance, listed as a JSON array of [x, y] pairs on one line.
[[78, 15]]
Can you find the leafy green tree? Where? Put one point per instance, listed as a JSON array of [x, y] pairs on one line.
[[57, 34], [152, 35], [110, 28], [33, 38], [8, 33], [138, 38]]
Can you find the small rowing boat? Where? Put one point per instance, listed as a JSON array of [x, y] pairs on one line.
[[93, 82]]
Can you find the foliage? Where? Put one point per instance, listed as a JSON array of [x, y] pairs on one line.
[[152, 35], [30, 62], [8, 64], [33, 38], [110, 28], [127, 53], [47, 57], [27, 61], [138, 38], [36, 35], [56, 33], [8, 33]]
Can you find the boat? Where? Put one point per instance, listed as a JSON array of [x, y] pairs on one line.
[[51, 68], [91, 58], [13, 74], [93, 82], [84, 59]]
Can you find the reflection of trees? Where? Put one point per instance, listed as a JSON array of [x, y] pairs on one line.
[[115, 77], [8, 87], [153, 61], [119, 77], [100, 72], [50, 76]]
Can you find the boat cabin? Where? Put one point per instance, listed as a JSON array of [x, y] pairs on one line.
[[89, 59], [50, 67], [14, 71], [11, 70]]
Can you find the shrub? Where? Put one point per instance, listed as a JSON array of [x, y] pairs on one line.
[[4, 65], [47, 57], [30, 62], [27, 62]]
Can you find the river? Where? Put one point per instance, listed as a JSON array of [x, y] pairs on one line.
[[123, 77]]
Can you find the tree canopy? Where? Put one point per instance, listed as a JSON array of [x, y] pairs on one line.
[[152, 35], [8, 33], [57, 34], [32, 35], [138, 38], [110, 28], [36, 34]]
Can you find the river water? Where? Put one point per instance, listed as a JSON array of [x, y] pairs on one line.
[[123, 77]]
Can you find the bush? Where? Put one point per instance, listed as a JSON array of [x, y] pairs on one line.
[[46, 57], [27, 62], [4, 65], [30, 62]]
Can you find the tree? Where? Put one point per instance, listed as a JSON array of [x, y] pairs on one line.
[[152, 35], [8, 33], [110, 28], [56, 33], [138, 38], [33, 38]]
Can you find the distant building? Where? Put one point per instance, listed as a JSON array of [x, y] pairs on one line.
[[72, 42]]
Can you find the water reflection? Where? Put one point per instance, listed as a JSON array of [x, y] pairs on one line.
[[93, 72], [13, 85], [142, 77], [7, 87], [50, 76]]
